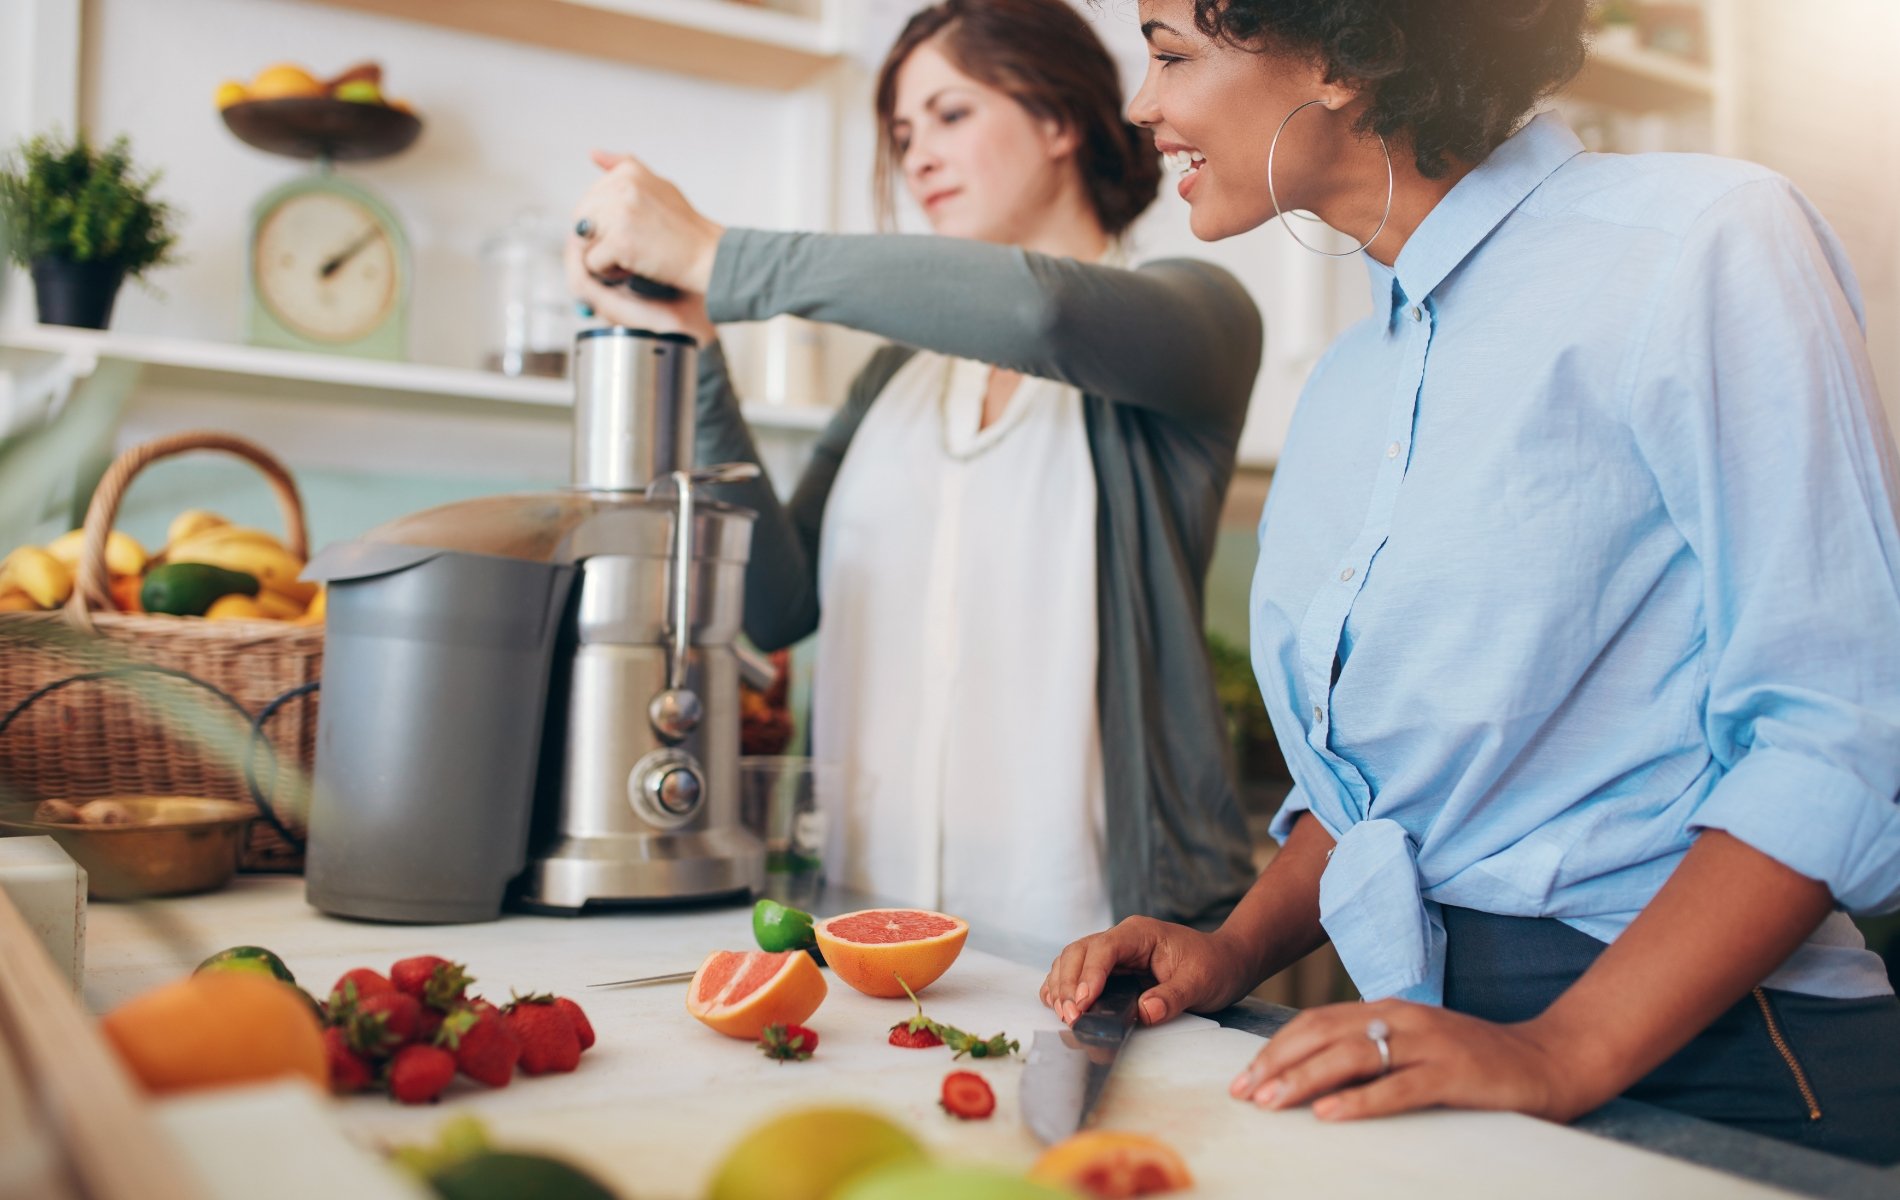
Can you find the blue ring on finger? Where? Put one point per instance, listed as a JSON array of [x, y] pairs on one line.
[[584, 228]]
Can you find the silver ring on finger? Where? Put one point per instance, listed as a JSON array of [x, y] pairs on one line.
[[1377, 1031], [584, 228]]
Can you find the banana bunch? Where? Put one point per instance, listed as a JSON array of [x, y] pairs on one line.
[[208, 567]]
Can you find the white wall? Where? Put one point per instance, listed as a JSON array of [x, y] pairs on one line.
[[1822, 105]]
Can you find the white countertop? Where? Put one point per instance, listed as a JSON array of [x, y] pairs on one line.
[[658, 1099]]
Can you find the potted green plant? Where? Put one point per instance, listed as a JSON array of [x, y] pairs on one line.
[[82, 220]]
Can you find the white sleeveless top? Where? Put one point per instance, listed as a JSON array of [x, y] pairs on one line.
[[956, 667]]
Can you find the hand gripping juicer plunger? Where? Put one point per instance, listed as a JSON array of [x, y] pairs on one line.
[[538, 694]]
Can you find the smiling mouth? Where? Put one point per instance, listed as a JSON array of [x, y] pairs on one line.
[[1185, 162]]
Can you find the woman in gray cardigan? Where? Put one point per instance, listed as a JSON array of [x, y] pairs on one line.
[[1002, 538]]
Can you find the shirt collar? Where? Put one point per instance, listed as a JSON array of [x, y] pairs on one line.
[[1475, 206]]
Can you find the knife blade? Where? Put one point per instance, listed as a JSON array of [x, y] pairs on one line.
[[1067, 1069], [675, 977]]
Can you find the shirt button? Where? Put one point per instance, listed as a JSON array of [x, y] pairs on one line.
[[1416, 313], [1319, 714], [1345, 576], [1392, 451]]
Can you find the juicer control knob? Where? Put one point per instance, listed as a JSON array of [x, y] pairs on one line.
[[678, 791], [666, 788]]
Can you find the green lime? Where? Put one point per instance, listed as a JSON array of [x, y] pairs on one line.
[[253, 959], [359, 91], [780, 928], [495, 1175]]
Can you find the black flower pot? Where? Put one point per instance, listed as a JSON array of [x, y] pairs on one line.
[[76, 293]]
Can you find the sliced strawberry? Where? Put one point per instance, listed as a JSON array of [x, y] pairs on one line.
[[967, 1096], [913, 1039], [788, 1043]]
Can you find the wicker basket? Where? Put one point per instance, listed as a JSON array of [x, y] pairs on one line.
[[96, 702]]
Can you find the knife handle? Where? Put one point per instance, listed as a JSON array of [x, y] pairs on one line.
[[1114, 1010], [640, 285]]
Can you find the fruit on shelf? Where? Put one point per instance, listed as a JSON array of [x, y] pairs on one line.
[[282, 80], [811, 1153], [871, 949], [231, 92], [740, 992], [1109, 1164], [358, 91]]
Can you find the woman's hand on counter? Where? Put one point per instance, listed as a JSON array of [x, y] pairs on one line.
[[640, 224], [1193, 970], [1438, 1058]]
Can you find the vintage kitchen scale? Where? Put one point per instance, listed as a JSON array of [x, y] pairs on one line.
[[327, 264], [535, 698]]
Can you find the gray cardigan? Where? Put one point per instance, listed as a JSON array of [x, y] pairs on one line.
[[1165, 358]]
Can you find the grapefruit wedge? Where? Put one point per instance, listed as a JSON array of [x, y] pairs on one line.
[[871, 949], [740, 992], [1110, 1165]]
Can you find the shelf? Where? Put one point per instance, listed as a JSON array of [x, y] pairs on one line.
[[224, 367], [713, 39], [1635, 79]]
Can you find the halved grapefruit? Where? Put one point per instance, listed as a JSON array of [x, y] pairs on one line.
[[740, 992], [1110, 1165], [871, 949]]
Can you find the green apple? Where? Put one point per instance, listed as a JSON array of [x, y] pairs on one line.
[[359, 91]]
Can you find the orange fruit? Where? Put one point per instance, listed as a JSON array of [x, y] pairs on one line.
[[125, 593], [1110, 1165], [231, 92], [284, 79], [740, 992], [871, 949], [217, 1028]]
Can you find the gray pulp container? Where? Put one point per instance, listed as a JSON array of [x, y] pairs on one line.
[[435, 685]]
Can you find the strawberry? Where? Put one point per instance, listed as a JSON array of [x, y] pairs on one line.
[[349, 1070], [388, 1020], [583, 1028], [418, 1074], [428, 1023], [967, 1096], [913, 1039], [549, 1042], [433, 981], [788, 1043], [485, 1049], [352, 988]]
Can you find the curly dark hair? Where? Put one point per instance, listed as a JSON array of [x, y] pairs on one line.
[[1045, 56], [1453, 78]]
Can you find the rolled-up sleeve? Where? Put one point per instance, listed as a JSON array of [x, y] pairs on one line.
[[1753, 401]]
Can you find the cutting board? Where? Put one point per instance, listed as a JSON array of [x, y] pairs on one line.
[[656, 1104]]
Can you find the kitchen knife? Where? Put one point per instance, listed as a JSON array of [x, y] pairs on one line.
[[1068, 1068], [675, 977]]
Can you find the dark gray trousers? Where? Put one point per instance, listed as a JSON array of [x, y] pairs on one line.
[[1818, 1072]]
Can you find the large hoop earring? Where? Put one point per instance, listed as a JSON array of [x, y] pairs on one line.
[[1390, 187]]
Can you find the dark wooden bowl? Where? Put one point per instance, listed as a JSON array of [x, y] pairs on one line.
[[320, 127]]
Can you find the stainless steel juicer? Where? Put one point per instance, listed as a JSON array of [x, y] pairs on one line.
[[589, 757]]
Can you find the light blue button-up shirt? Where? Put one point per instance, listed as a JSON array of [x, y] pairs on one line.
[[1585, 541]]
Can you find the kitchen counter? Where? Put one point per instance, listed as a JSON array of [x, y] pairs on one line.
[[658, 1080]]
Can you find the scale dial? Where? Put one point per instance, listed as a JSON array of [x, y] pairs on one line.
[[327, 267]]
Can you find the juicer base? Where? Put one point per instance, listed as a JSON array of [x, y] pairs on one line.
[[675, 866]]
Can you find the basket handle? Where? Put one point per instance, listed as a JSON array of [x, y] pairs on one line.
[[91, 590]]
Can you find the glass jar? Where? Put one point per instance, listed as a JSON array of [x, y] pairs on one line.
[[531, 320]]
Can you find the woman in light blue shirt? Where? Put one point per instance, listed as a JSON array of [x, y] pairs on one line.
[[1578, 605]]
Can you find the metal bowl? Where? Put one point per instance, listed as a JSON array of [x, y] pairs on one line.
[[171, 846]]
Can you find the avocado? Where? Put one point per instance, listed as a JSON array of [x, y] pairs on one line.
[[188, 589]]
